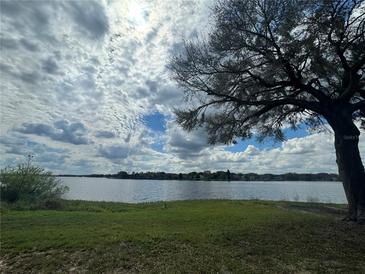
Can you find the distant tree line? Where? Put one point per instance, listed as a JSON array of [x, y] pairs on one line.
[[215, 176]]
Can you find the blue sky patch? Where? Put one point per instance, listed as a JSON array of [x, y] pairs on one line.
[[268, 143], [155, 121], [158, 146]]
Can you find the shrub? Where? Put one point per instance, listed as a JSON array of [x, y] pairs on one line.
[[29, 186]]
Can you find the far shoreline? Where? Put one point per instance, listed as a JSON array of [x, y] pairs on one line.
[[214, 176]]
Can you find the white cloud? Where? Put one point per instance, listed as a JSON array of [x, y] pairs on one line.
[[184, 144], [99, 66]]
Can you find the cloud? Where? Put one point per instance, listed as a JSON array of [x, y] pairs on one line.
[[62, 130], [29, 45], [89, 17], [50, 66], [105, 134], [8, 44], [185, 144], [29, 77], [251, 151], [114, 152], [18, 147]]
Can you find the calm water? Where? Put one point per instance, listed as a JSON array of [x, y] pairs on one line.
[[137, 191]]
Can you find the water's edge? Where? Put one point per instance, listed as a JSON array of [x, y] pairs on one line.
[[141, 191]]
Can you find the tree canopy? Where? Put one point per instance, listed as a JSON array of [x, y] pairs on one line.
[[273, 63]]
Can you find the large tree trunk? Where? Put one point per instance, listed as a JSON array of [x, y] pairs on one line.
[[350, 167]]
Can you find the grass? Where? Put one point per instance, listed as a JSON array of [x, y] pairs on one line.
[[182, 237]]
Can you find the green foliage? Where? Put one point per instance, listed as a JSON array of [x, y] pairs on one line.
[[182, 237], [30, 187]]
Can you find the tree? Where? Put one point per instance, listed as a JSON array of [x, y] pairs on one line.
[[267, 64], [30, 186]]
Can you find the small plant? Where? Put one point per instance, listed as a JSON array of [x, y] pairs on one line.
[[28, 186]]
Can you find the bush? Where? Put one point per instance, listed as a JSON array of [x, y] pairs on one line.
[[28, 186]]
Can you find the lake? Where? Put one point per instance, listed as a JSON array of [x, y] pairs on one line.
[[139, 191]]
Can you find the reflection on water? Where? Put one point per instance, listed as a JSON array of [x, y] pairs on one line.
[[137, 191]]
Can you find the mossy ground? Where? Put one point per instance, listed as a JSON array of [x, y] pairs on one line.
[[182, 237]]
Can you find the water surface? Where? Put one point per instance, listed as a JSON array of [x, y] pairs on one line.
[[138, 191]]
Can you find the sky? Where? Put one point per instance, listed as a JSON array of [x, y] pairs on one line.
[[85, 89]]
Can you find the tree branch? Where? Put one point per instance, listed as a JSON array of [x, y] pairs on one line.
[[358, 106]]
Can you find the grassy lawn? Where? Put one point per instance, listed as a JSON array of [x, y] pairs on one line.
[[182, 237]]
